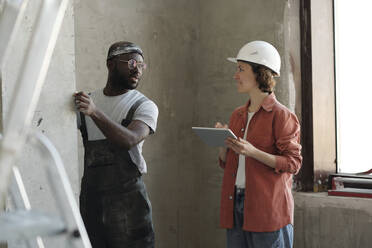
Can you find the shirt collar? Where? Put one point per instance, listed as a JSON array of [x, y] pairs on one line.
[[267, 103]]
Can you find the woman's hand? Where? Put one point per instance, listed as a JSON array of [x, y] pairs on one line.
[[222, 150], [220, 125], [241, 146]]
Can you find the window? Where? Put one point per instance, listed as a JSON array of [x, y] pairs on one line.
[[336, 47], [353, 66]]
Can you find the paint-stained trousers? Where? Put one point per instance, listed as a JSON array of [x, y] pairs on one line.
[[118, 218]]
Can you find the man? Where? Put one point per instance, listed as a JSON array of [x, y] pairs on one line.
[[114, 123]]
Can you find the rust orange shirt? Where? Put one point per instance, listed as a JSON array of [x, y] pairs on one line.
[[268, 204]]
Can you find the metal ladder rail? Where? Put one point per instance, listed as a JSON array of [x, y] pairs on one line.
[[21, 201], [11, 15], [29, 84], [64, 196], [72, 226], [33, 70]]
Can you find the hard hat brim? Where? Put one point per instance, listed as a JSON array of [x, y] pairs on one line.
[[235, 60], [232, 60]]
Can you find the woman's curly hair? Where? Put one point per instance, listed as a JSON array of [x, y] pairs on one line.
[[264, 77]]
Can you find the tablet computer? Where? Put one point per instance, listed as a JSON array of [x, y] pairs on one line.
[[213, 136]]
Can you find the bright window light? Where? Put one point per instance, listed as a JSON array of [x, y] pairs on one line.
[[353, 48]]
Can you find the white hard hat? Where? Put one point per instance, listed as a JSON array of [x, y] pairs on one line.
[[259, 52]]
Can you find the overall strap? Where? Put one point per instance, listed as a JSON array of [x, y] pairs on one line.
[[132, 110], [83, 126]]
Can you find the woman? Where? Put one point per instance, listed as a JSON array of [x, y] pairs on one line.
[[257, 202]]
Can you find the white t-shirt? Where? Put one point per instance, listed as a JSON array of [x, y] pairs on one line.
[[116, 108], [240, 176]]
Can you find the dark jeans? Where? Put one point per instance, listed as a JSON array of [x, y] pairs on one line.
[[118, 218], [238, 238]]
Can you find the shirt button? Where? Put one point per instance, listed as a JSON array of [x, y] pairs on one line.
[[242, 129], [233, 174], [230, 197]]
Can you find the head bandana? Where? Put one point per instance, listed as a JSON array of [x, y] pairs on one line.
[[124, 49]]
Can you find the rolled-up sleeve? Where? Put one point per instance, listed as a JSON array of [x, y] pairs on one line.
[[287, 136]]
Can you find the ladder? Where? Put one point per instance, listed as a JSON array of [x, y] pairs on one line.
[[25, 223]]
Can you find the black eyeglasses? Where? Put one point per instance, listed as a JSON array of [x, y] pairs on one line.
[[132, 64]]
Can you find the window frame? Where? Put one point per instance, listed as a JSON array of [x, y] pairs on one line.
[[318, 95], [319, 88]]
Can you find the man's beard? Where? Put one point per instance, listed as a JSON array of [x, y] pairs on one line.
[[121, 82]]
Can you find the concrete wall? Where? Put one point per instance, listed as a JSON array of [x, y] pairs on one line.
[[186, 44], [54, 114], [332, 222]]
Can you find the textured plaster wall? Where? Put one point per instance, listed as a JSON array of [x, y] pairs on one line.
[[54, 114], [186, 44]]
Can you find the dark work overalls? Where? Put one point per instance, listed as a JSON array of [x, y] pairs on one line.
[[113, 201]]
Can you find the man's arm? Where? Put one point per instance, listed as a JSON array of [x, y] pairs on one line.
[[120, 135]]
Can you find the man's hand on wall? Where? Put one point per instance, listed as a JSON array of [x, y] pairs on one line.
[[84, 103]]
